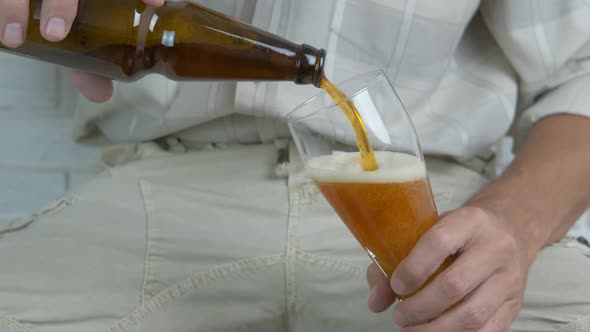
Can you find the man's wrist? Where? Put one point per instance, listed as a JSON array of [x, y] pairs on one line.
[[507, 201]]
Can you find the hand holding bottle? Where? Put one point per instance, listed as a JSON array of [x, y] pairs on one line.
[[125, 40], [57, 17]]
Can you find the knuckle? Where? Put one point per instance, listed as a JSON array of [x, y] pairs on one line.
[[19, 4], [439, 239], [475, 319], [413, 315], [508, 244], [417, 317], [14, 8], [475, 212], [515, 279], [413, 276], [453, 286]]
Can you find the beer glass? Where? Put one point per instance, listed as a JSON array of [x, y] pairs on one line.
[[389, 209]]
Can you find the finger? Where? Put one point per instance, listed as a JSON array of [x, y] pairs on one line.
[[444, 239], [57, 17], [503, 318], [95, 88], [471, 270], [14, 15], [475, 312], [155, 3], [381, 297], [374, 274]]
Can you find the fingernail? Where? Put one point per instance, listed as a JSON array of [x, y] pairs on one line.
[[13, 34], [398, 286], [56, 27], [399, 318], [97, 96]]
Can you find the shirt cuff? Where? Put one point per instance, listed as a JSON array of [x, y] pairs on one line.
[[572, 97]]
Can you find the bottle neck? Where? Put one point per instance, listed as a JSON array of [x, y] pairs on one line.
[[310, 66]]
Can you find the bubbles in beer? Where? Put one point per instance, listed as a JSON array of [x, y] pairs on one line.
[[387, 210]]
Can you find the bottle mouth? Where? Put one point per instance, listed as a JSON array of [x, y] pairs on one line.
[[311, 66], [319, 68]]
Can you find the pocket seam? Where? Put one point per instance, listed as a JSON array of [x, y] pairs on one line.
[[145, 192], [19, 224], [187, 286]]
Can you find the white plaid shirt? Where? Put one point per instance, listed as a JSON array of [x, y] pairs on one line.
[[466, 70]]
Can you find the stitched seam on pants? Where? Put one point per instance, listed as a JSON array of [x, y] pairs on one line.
[[10, 325], [188, 285], [332, 263], [580, 325], [144, 189], [20, 224]]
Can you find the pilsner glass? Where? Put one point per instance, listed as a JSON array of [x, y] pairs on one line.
[[389, 209]]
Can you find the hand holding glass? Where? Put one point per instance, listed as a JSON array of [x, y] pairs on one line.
[[389, 209]]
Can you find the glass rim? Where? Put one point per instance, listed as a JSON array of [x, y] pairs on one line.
[[378, 75]]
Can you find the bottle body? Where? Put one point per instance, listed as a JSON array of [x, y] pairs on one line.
[[126, 40]]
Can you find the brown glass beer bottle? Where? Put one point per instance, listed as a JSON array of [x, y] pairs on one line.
[[126, 40]]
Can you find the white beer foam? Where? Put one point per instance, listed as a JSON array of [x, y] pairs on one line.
[[346, 168]]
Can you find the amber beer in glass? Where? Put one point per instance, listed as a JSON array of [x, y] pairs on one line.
[[388, 209]]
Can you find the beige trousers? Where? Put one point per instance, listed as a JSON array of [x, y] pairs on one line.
[[211, 241]]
